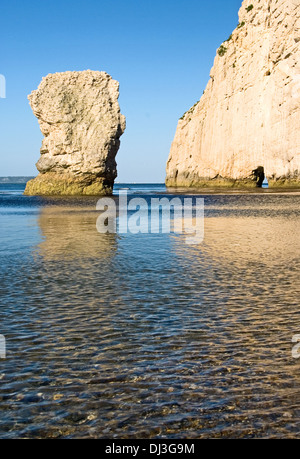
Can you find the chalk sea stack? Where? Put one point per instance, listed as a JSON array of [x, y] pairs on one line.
[[79, 116], [249, 115]]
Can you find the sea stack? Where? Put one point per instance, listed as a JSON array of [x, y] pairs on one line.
[[79, 116], [248, 118]]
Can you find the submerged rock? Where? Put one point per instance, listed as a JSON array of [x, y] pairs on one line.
[[249, 114], [79, 116]]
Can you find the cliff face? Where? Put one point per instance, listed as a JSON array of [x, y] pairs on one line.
[[249, 114], [79, 116]]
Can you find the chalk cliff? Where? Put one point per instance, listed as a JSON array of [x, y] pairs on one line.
[[79, 116], [249, 114]]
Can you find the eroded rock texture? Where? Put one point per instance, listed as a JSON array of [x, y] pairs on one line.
[[79, 116], [249, 114]]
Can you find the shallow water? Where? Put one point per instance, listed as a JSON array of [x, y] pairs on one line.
[[144, 336]]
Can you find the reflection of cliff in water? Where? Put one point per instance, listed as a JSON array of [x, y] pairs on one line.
[[244, 280], [249, 236], [71, 233]]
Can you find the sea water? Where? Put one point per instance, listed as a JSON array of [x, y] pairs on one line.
[[144, 336]]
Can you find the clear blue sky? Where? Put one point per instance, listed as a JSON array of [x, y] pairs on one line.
[[161, 52]]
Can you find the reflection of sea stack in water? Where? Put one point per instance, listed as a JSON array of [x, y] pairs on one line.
[[69, 232], [249, 114], [79, 115]]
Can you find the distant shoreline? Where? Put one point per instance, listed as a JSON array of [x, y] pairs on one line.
[[15, 180]]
